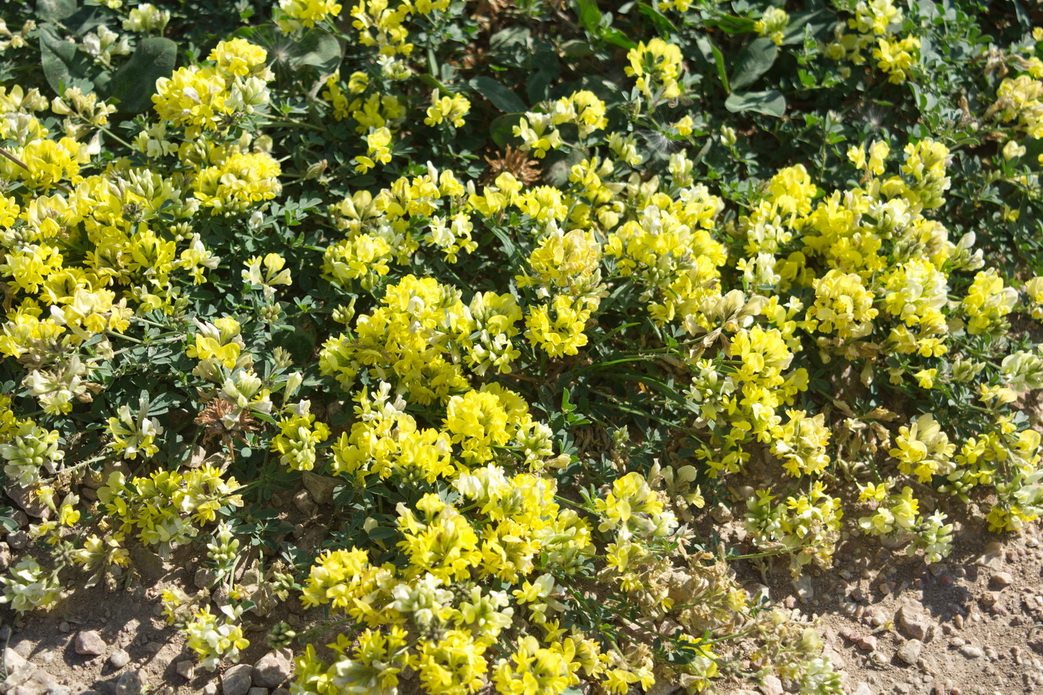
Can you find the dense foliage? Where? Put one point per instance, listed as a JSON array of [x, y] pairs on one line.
[[561, 314]]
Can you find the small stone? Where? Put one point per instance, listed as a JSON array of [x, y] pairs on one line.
[[1000, 580], [129, 684], [63, 626], [13, 660], [913, 622], [971, 652], [958, 621], [257, 691], [320, 487], [771, 686], [803, 586], [89, 643], [18, 540], [5, 556], [39, 683], [721, 514], [29, 501], [210, 689], [909, 653], [186, 669], [874, 617], [863, 689], [119, 658], [273, 669], [304, 503], [867, 643], [203, 578], [236, 680], [993, 555], [957, 642]]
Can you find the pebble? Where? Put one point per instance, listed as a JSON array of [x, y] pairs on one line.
[[721, 514], [186, 669], [13, 660], [993, 555], [957, 642], [273, 669], [39, 682], [913, 622], [119, 658], [909, 653], [236, 680], [89, 643], [5, 556], [129, 684], [31, 504], [210, 689], [24, 647], [805, 589], [1000, 580], [18, 540], [321, 487], [304, 503], [771, 686], [203, 578], [257, 691], [972, 652]]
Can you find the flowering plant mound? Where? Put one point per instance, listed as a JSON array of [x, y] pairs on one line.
[[516, 293]]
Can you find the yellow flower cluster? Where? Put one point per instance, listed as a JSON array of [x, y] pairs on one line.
[[657, 67], [166, 508], [451, 109], [876, 23], [298, 436], [296, 14], [211, 98], [524, 536], [538, 129], [801, 443], [235, 181], [386, 441], [773, 24], [807, 526], [1019, 100]]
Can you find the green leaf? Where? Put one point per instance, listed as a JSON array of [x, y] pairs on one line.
[[64, 65], [754, 60], [770, 103], [548, 69], [317, 49], [589, 15], [711, 54], [54, 10], [135, 83], [617, 38], [731, 25], [662, 24], [818, 21], [501, 97], [558, 165]]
